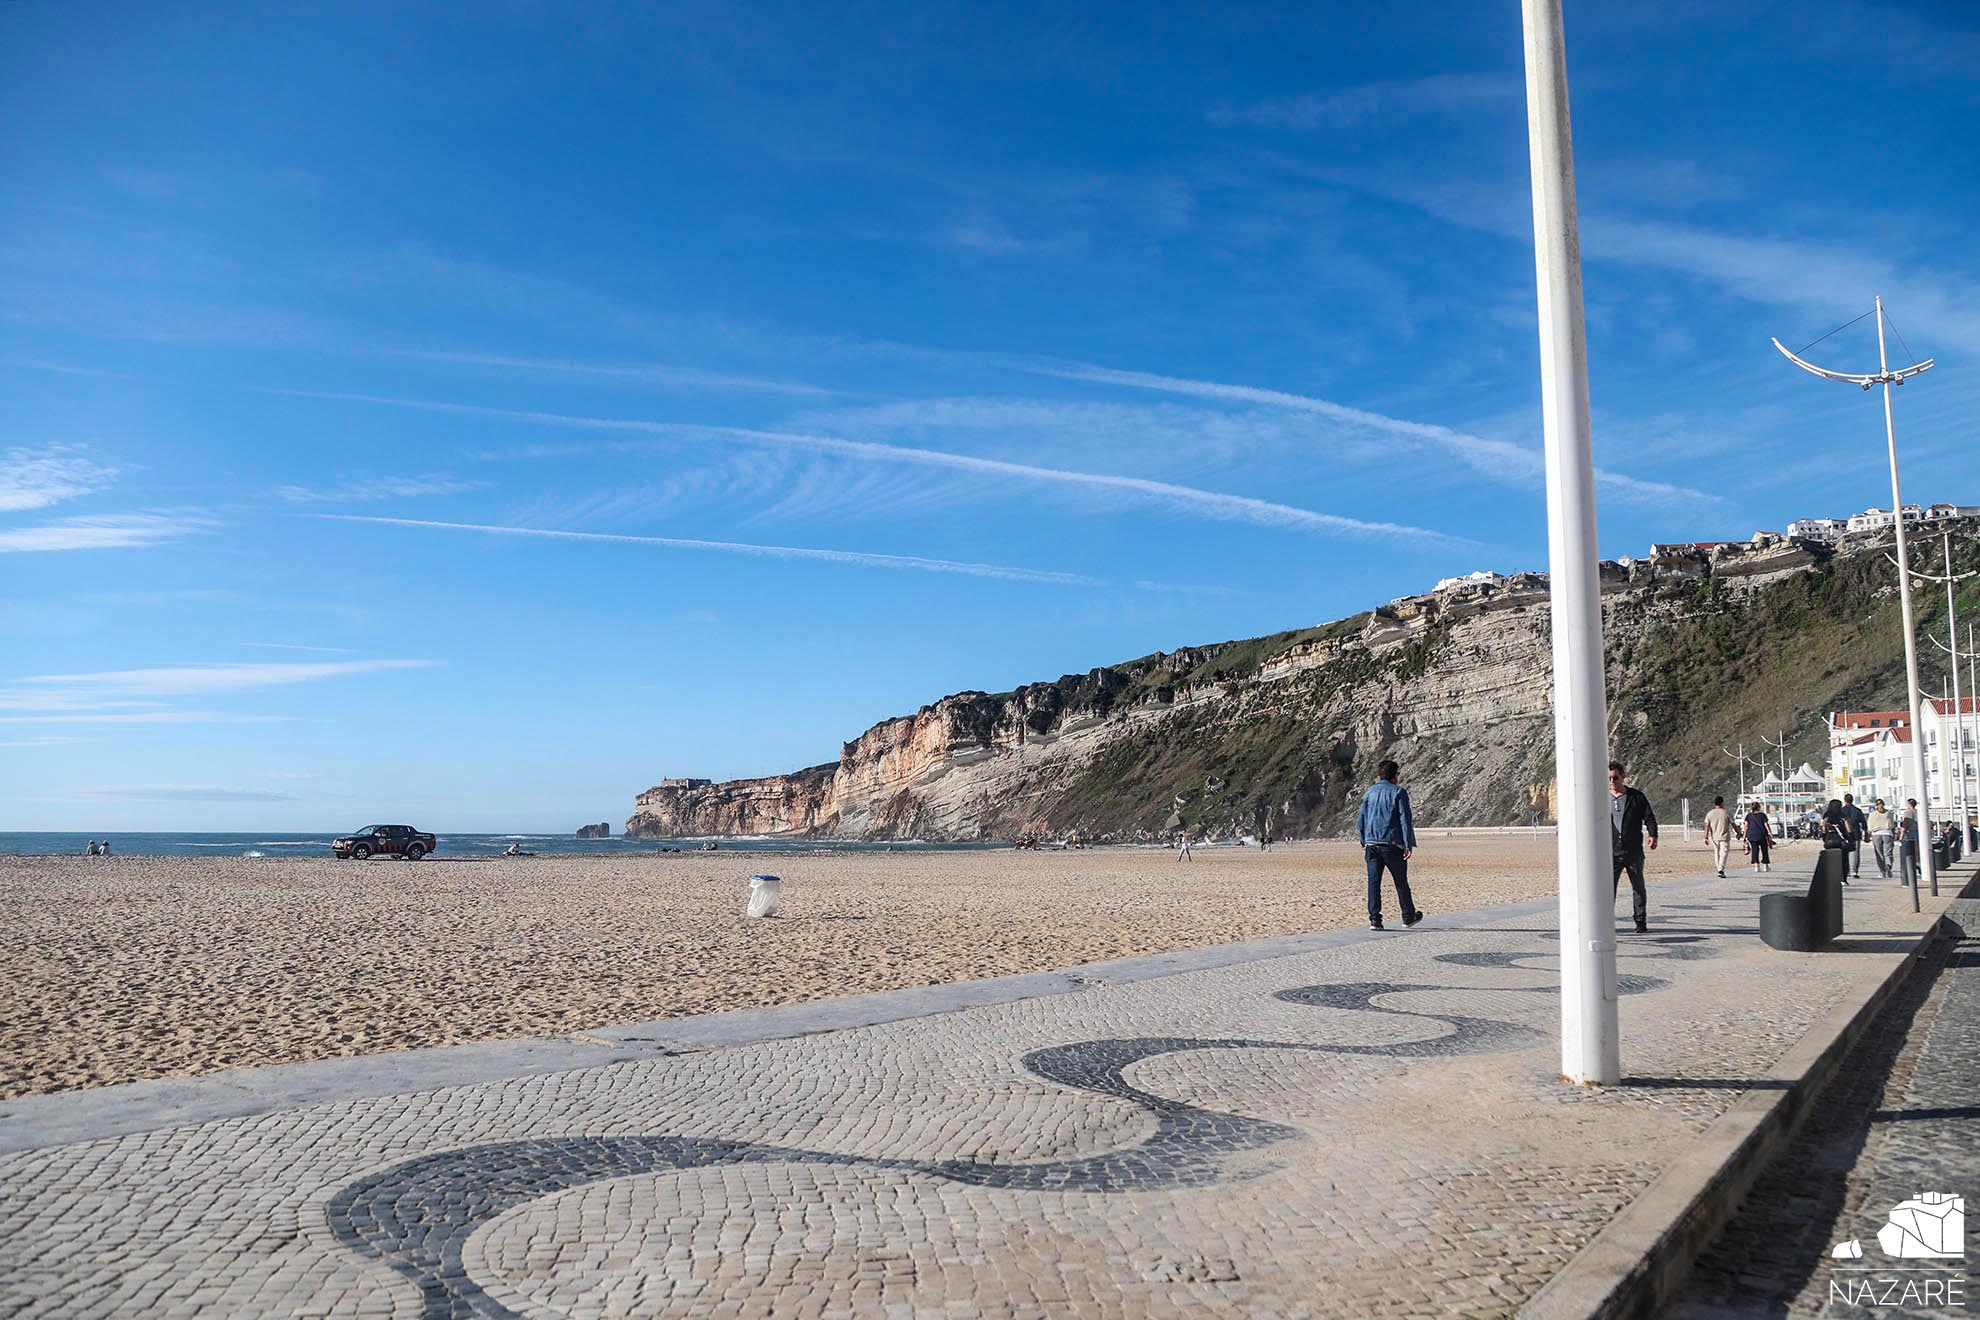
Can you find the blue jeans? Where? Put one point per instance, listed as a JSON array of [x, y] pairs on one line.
[[1381, 855]]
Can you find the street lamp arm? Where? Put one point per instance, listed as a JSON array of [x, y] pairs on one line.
[[1923, 576], [1864, 379]]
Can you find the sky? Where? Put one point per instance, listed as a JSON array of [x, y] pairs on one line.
[[471, 415]]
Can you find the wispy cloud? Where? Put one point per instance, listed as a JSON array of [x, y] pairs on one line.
[[148, 717], [62, 368], [1392, 101], [222, 677], [1215, 504], [861, 558], [359, 490], [1501, 460], [36, 478], [50, 740], [147, 185], [1815, 274], [178, 793], [297, 646], [691, 378], [102, 531]]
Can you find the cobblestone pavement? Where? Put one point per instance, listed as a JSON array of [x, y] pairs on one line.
[[1377, 1128], [1903, 1118]]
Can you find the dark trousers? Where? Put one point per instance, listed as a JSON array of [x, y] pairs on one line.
[[1760, 853], [1632, 862], [1388, 855]]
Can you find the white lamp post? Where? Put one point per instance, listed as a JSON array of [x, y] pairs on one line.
[[1887, 378], [1590, 1049]]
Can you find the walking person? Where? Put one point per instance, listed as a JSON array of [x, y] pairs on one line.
[[1387, 833], [1182, 847], [1631, 824], [1883, 838], [1907, 843], [1854, 815], [1759, 839], [1838, 835], [1719, 833]]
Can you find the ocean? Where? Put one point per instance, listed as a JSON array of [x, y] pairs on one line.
[[457, 846]]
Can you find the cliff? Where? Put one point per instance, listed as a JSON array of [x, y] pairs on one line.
[[1705, 645]]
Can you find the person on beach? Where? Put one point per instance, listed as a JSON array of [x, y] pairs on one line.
[[1719, 834], [1182, 847], [91, 850], [1759, 839], [1838, 835], [1387, 833], [1632, 823], [1854, 815], [1882, 837]]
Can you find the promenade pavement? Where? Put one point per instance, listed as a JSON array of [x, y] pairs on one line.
[[1342, 1124], [1901, 1119]]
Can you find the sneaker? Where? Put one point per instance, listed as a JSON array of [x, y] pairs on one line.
[[1412, 918], [1722, 875], [1642, 928], [1376, 924]]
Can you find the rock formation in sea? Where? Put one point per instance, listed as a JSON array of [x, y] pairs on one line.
[[602, 830], [1705, 644]]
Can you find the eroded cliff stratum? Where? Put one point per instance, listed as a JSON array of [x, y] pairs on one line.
[[1704, 645]]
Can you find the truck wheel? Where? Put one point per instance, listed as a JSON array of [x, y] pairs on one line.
[[362, 851], [415, 852]]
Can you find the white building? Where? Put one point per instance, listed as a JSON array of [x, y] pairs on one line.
[[1482, 578], [1870, 756], [1934, 512], [1818, 529], [1873, 518]]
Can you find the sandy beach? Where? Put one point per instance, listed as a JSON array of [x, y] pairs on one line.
[[126, 968]]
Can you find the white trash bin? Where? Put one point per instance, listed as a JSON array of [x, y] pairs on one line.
[[763, 890]]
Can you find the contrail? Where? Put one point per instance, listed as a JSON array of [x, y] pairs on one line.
[[859, 557], [1216, 504], [1500, 459]]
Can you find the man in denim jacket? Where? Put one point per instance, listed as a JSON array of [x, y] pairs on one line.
[[1388, 837]]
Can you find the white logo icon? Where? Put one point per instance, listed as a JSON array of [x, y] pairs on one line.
[[1931, 1225]]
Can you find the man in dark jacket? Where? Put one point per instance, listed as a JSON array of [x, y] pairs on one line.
[[1853, 815], [1631, 822]]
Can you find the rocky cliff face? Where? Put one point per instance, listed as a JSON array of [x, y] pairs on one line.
[[1279, 732]]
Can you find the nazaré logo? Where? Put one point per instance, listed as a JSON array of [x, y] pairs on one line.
[[1929, 1226]]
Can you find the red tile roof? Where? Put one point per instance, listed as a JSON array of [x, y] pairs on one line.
[[1861, 719]]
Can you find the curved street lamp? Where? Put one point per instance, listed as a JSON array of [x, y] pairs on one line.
[[1886, 377]]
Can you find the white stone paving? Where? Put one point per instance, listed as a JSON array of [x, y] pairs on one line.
[[1189, 1145]]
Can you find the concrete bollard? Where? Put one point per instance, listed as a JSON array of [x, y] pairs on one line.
[[763, 891]]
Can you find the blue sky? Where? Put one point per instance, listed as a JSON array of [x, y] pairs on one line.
[[471, 420]]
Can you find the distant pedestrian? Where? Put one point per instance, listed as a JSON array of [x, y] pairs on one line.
[[1719, 833], [1857, 834], [103, 848], [1632, 823], [91, 850], [1182, 847], [1759, 839], [1883, 837], [1387, 833], [1837, 833], [1907, 843]]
